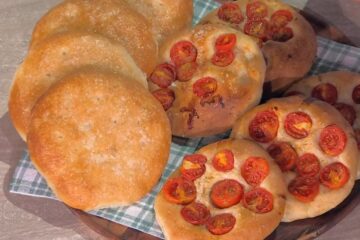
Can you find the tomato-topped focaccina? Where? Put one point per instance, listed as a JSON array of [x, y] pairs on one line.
[[287, 40], [313, 145], [203, 75], [222, 189]]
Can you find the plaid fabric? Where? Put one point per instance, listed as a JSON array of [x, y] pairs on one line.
[[26, 180]]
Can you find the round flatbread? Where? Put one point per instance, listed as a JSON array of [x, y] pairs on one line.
[[114, 19], [54, 58], [230, 189], [314, 147], [206, 78], [341, 89], [287, 39], [99, 139]]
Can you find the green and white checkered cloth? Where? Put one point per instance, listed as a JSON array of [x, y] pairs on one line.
[[26, 180]]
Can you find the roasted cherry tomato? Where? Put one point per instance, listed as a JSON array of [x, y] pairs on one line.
[[195, 213], [193, 166], [205, 87], [223, 59], [185, 71], [165, 96], [225, 42], [254, 170], [257, 28], [281, 18], [325, 92], [305, 189], [258, 200], [334, 175], [221, 224], [179, 190], [226, 193], [183, 52], [230, 12], [281, 34], [256, 10], [163, 75], [356, 94], [284, 155], [298, 124], [332, 140], [223, 161], [308, 165], [264, 127], [347, 111]]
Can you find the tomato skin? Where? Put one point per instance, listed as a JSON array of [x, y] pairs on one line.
[[264, 127], [304, 189], [293, 120], [226, 193], [325, 92], [163, 75], [186, 71], [223, 161], [254, 170], [221, 223], [332, 140], [281, 18], [223, 59], [165, 96], [347, 111], [356, 94], [256, 10], [230, 12], [258, 200], [308, 165], [195, 213], [334, 175], [257, 28], [281, 34], [179, 190], [284, 155], [197, 163], [183, 52], [205, 86], [225, 42]]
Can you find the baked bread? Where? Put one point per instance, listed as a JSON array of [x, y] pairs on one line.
[[287, 39], [114, 19], [314, 147], [166, 16], [52, 59], [341, 89], [99, 139], [233, 181], [206, 78]]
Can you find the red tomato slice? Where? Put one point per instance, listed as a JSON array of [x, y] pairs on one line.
[[223, 161], [226, 193], [284, 155], [163, 75], [305, 189], [356, 94], [256, 10], [298, 124], [347, 111], [308, 165], [165, 96], [325, 92], [195, 213], [254, 170], [205, 87], [183, 52], [332, 140], [185, 71], [281, 18], [264, 127], [193, 166], [258, 200], [179, 190], [223, 59], [221, 223], [225, 42], [230, 12], [257, 28], [281, 34], [334, 175]]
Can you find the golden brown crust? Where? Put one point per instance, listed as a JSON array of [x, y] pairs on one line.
[[100, 139], [322, 115], [249, 225], [56, 57], [286, 61], [166, 16], [112, 18], [239, 84]]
